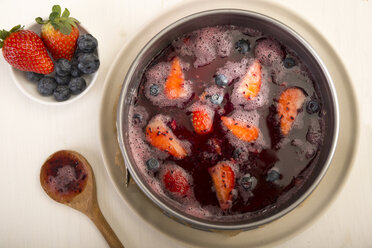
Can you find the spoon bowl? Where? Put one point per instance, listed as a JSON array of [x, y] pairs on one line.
[[67, 177]]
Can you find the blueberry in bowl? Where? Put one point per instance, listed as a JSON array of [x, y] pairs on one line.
[[46, 86], [88, 63], [62, 67], [62, 93], [33, 76], [77, 85], [62, 79], [87, 43]]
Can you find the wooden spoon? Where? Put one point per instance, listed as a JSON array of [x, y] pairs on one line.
[[67, 177]]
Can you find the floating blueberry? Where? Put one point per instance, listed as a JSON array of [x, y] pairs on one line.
[[154, 90], [62, 93], [237, 153], [312, 107], [62, 67], [77, 85], [87, 43], [88, 63], [137, 118], [248, 182], [152, 164], [243, 46], [63, 79], [216, 99], [46, 86], [33, 76], [289, 62], [272, 176], [221, 80]]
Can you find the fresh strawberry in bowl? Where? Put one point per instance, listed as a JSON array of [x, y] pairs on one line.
[[59, 33], [70, 63], [24, 50]]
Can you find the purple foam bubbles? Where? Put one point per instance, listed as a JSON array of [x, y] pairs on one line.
[[268, 51], [205, 45]]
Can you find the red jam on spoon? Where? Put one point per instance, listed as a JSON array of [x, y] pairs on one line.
[[63, 176]]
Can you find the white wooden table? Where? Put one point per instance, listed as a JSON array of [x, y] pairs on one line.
[[31, 131]]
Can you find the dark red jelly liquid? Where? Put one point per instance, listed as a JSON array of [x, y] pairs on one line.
[[64, 176], [286, 158]]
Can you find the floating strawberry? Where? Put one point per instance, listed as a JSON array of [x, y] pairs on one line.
[[24, 50], [174, 86], [59, 33], [243, 131], [250, 85], [223, 178], [176, 180], [290, 103], [202, 119], [162, 137]]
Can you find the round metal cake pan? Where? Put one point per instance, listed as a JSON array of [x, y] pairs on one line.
[[271, 27]]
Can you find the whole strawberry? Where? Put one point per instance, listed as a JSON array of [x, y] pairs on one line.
[[59, 33], [24, 50]]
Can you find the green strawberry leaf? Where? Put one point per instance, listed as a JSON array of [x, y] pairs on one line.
[[1, 44], [55, 25], [4, 34], [65, 28], [53, 16], [41, 21], [74, 20], [62, 23], [57, 9], [66, 13], [71, 22], [16, 28]]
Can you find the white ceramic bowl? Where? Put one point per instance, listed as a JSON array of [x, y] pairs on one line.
[[30, 88]]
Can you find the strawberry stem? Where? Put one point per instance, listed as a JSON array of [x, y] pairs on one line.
[[40, 20]]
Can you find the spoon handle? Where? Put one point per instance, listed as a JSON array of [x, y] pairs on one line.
[[99, 220]]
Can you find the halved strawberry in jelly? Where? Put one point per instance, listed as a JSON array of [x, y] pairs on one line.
[[250, 85], [289, 104], [223, 178], [161, 136], [176, 181], [174, 85], [243, 131], [202, 119]]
